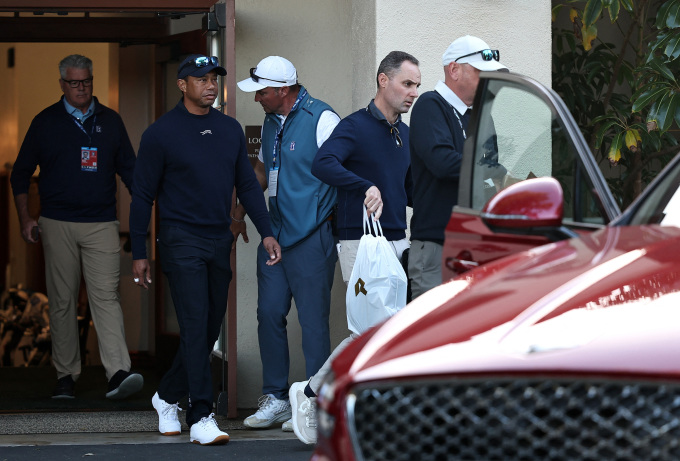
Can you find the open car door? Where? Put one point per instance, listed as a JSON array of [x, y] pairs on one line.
[[520, 130]]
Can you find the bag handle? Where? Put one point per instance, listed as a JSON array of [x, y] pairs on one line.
[[372, 224]]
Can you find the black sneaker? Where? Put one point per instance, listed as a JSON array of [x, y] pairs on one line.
[[123, 384], [65, 388]]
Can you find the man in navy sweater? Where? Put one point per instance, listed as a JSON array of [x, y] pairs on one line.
[[80, 146], [438, 125], [367, 159], [191, 159]]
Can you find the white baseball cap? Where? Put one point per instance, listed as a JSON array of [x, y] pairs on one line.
[[271, 71], [474, 51]]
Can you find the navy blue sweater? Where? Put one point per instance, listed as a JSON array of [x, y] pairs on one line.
[[192, 163], [361, 153], [436, 155], [69, 192]]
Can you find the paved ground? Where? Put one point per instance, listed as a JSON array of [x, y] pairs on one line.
[[133, 436], [268, 444]]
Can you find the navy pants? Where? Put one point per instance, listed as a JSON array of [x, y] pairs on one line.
[[198, 273], [305, 274]]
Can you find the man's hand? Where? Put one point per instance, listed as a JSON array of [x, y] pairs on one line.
[[273, 248], [141, 272], [27, 226], [239, 228], [26, 222], [373, 202], [238, 224]]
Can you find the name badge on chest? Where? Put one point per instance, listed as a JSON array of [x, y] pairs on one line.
[[88, 158], [273, 181]]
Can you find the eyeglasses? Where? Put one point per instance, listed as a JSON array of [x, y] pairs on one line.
[[256, 78], [487, 55], [395, 132], [76, 83]]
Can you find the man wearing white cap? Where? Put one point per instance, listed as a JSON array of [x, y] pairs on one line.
[[300, 209], [438, 123]]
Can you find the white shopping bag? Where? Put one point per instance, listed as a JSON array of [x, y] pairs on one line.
[[377, 287]]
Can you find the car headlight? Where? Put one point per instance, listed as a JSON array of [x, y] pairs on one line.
[[326, 421]]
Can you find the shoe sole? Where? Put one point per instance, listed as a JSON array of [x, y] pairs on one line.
[[63, 397], [129, 386], [171, 433], [220, 440], [292, 397], [266, 424]]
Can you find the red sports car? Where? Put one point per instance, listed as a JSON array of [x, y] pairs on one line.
[[567, 350]]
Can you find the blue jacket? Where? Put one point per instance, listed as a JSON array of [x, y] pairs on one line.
[[302, 202], [68, 190]]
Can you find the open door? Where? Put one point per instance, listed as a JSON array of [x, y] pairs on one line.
[[520, 130]]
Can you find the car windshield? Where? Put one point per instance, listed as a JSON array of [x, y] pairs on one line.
[[662, 205]]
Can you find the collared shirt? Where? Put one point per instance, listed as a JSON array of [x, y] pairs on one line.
[[327, 123], [451, 97], [77, 113], [374, 111]]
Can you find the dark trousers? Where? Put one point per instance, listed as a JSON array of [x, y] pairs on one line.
[[198, 273], [305, 274]]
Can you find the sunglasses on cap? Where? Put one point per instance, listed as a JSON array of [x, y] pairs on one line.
[[487, 55], [203, 61], [256, 78]]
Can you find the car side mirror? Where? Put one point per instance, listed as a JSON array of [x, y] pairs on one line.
[[532, 207]]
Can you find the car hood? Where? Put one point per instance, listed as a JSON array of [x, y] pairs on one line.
[[608, 302]]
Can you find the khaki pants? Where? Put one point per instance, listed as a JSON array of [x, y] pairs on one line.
[[424, 266], [96, 248]]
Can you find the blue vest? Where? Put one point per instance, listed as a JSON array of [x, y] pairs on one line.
[[302, 202]]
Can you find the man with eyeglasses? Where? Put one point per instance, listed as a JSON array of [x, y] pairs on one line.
[[438, 123], [79, 145], [190, 160], [367, 159], [300, 209]]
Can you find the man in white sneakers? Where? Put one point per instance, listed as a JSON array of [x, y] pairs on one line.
[[300, 209], [190, 160], [366, 158]]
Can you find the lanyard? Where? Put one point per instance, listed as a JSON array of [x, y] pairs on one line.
[[459, 122], [279, 132], [82, 128]]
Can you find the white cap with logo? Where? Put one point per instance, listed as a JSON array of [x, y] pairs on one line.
[[272, 71], [474, 51]]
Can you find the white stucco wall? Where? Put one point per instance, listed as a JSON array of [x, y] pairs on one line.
[[336, 46]]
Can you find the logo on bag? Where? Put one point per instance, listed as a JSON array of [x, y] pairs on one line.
[[359, 287]]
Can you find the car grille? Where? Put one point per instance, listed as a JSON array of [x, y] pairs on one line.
[[522, 419]]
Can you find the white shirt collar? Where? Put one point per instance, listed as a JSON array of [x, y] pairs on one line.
[[450, 97]]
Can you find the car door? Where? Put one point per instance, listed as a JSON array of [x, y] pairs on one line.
[[519, 130]]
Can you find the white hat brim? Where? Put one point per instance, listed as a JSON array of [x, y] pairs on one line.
[[249, 85], [487, 65]]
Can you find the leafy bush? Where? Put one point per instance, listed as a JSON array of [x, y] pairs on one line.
[[623, 93]]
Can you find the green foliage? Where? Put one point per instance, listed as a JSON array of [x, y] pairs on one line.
[[625, 95]]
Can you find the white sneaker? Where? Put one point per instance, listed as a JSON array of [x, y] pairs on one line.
[[168, 422], [304, 413], [272, 410], [206, 432], [287, 426]]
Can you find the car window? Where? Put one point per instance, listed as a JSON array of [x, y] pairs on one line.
[[662, 204], [519, 136]]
